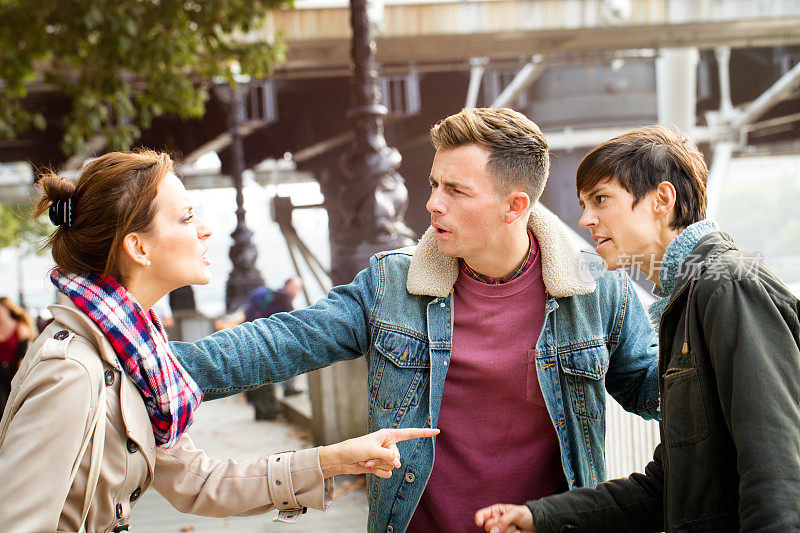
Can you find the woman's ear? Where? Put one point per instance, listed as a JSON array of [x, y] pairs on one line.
[[518, 204], [135, 249], [665, 197]]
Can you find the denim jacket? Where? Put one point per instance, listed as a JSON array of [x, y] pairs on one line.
[[398, 314]]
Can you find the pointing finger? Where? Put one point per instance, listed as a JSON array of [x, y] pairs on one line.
[[397, 435]]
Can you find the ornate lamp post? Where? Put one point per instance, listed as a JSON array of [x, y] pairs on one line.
[[366, 212], [244, 276]]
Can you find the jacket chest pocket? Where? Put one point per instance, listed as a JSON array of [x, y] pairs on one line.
[[399, 370], [683, 410], [583, 370]]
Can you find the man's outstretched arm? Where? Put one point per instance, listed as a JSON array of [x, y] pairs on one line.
[[285, 344]]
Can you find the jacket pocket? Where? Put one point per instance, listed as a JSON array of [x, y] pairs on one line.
[[683, 410], [720, 523], [400, 372], [584, 368]]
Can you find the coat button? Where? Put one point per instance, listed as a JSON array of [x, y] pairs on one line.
[[109, 377], [61, 335], [132, 446], [135, 494], [119, 510], [410, 477]]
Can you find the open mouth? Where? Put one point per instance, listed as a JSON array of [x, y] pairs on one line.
[[601, 241]]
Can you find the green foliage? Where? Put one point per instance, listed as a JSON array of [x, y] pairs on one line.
[[18, 229], [124, 62]]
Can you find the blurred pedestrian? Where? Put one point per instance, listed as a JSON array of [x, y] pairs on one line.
[[261, 303], [16, 330]]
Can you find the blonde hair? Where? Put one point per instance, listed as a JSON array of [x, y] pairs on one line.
[[519, 155], [17, 313]]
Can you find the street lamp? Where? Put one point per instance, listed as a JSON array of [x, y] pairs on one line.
[[244, 276], [369, 214]]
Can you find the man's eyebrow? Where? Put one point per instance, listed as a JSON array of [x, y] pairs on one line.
[[451, 183]]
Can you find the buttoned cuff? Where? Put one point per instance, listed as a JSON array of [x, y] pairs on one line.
[[295, 482]]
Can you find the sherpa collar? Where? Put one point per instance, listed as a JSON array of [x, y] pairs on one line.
[[433, 274]]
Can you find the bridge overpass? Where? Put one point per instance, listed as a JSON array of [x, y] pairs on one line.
[[435, 34]]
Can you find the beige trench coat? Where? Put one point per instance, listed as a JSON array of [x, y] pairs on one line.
[[53, 398]]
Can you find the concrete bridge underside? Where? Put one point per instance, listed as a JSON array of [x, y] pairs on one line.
[[439, 33]]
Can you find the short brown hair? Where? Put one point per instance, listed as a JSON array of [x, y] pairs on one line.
[[519, 155], [641, 159], [113, 196]]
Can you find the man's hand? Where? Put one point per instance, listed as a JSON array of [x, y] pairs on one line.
[[505, 518], [375, 453]]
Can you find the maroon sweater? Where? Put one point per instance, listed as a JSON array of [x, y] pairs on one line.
[[497, 443]]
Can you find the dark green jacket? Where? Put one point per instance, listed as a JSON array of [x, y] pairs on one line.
[[729, 458]]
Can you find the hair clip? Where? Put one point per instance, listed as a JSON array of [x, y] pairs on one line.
[[61, 213]]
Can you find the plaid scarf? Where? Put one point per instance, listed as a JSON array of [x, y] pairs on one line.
[[169, 393]]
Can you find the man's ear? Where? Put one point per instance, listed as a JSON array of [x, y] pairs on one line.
[[518, 203], [664, 199], [135, 249]]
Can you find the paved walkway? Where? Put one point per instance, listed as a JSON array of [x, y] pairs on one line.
[[226, 428]]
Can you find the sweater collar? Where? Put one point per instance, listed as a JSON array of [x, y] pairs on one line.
[[675, 256], [676, 253]]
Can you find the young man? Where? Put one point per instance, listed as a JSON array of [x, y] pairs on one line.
[[729, 458], [486, 330]]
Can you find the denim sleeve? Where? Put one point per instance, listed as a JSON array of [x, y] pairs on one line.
[[632, 377], [277, 348]]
